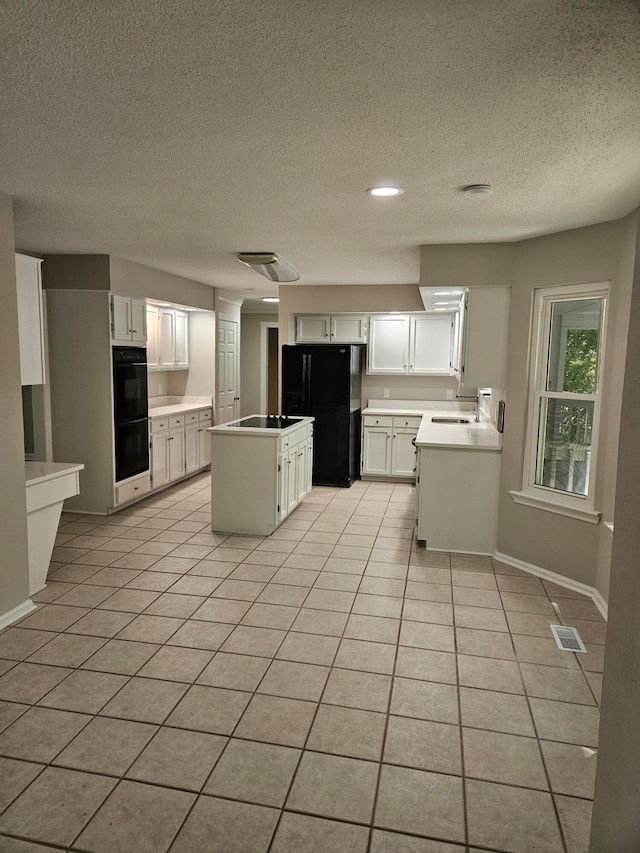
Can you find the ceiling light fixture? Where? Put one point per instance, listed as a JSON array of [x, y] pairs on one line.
[[271, 299], [269, 265], [441, 303], [477, 189], [440, 309], [384, 191], [163, 304], [443, 293]]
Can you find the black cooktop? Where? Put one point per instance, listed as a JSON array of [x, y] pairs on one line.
[[266, 422]]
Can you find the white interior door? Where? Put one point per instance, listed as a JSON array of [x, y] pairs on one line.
[[228, 396]]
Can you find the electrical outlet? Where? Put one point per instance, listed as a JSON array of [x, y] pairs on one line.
[[449, 395], [385, 393]]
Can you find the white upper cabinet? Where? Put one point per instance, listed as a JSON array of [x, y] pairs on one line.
[[430, 344], [389, 344], [168, 343], [128, 319], [153, 337], [484, 326], [349, 329], [335, 329], [30, 320], [314, 329]]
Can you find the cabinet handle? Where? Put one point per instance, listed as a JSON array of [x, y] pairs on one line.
[[134, 331], [135, 488]]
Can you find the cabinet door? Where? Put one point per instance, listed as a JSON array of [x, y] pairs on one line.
[[167, 338], [485, 330], [176, 453], [403, 453], [182, 340], [309, 466], [349, 329], [30, 320], [120, 318], [191, 448], [430, 344], [160, 459], [301, 471], [388, 344], [292, 477], [153, 343], [313, 329], [283, 485], [138, 320], [376, 451], [204, 442]]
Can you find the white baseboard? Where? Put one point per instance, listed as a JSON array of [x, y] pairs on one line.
[[17, 613], [560, 580]]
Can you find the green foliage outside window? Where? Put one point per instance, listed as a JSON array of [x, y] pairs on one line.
[[581, 361]]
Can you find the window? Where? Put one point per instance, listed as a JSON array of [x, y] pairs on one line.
[[564, 401]]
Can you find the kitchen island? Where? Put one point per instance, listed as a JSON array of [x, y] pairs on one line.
[[261, 469]]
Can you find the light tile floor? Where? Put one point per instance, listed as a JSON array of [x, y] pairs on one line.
[[330, 688]]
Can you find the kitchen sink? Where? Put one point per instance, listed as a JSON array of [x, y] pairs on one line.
[[450, 420]]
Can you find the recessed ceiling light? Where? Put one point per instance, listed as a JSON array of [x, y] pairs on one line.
[[443, 293], [164, 304], [384, 191], [271, 299], [440, 309], [477, 189], [441, 303], [395, 312]]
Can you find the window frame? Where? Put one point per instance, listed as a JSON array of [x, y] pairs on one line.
[[533, 494]]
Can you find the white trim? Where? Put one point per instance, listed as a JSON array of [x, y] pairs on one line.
[[609, 526], [539, 500], [560, 580], [17, 613], [264, 360], [543, 299]]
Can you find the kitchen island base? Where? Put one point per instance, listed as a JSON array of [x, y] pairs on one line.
[[258, 476]]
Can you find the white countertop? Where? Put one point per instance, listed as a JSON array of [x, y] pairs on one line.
[[471, 436], [176, 409], [39, 472], [229, 429]]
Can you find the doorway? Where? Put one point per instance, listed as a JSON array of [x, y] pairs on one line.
[[269, 361]]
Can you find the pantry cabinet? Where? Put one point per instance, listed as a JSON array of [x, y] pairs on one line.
[[331, 329], [128, 319], [30, 320]]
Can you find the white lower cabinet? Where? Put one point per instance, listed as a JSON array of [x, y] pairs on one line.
[[160, 459], [258, 479], [387, 446], [179, 445]]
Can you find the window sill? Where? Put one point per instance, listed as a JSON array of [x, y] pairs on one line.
[[555, 504]]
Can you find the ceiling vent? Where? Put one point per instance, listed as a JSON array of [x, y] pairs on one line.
[[269, 265]]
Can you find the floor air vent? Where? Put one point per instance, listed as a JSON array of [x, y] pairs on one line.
[[568, 639]]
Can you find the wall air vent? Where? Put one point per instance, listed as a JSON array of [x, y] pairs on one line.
[[568, 639]]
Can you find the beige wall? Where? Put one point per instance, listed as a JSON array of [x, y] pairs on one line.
[[251, 358], [132, 279], [14, 564], [593, 254], [460, 265], [616, 812], [200, 379]]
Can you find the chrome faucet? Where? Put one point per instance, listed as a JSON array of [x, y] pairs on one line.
[[477, 399]]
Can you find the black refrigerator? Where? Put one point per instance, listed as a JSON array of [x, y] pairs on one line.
[[325, 381]]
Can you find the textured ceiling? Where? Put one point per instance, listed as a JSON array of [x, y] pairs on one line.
[[179, 132]]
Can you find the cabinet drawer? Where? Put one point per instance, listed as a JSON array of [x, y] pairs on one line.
[[204, 415], [176, 421], [191, 418], [377, 420], [407, 422], [133, 489], [158, 424]]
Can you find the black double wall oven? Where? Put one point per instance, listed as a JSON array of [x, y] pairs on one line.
[[131, 411]]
